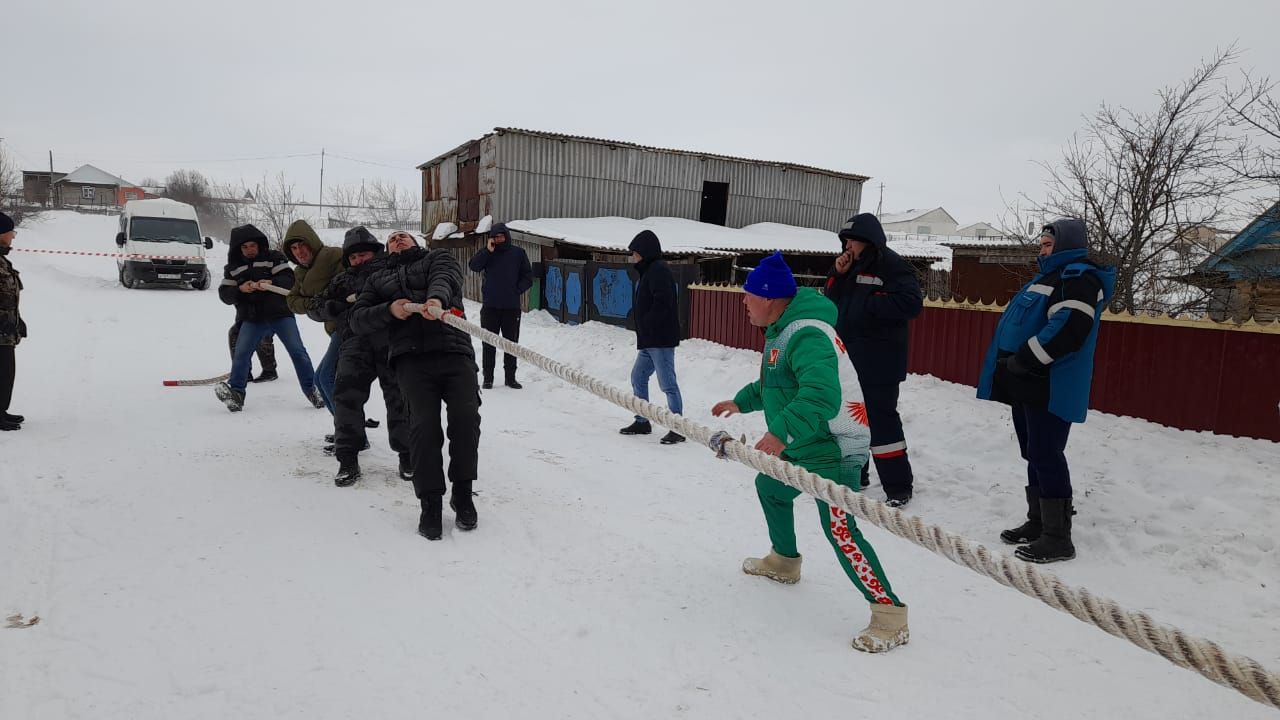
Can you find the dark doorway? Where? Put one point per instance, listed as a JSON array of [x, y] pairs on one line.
[[715, 203], [469, 187]]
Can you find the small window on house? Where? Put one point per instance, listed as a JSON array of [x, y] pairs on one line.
[[86, 192], [924, 230]]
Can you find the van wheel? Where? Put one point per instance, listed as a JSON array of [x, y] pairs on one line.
[[202, 283], [126, 278]]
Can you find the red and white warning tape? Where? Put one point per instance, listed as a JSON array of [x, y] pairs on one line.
[[129, 256]]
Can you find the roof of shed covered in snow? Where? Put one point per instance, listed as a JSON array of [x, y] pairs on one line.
[[90, 175]]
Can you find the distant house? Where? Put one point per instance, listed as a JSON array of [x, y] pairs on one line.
[[88, 186], [514, 174], [1243, 276], [920, 222], [980, 229], [36, 184]]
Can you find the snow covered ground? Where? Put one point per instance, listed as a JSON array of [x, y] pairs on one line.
[[189, 563]]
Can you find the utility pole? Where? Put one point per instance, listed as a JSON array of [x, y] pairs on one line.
[[880, 205], [322, 220], [49, 198]]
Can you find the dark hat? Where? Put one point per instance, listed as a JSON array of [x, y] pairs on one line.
[[1067, 234], [772, 278], [865, 227], [359, 239], [6, 223], [499, 229], [242, 234]]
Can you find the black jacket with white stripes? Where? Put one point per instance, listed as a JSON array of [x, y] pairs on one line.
[[260, 305]]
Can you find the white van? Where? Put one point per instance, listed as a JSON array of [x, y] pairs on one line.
[[166, 228]]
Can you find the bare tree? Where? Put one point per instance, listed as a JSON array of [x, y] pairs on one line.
[[277, 205], [1254, 108], [392, 206], [229, 208], [1142, 180], [11, 190], [343, 204]]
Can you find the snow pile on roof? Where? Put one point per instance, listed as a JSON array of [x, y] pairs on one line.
[[904, 216], [690, 237], [90, 175]]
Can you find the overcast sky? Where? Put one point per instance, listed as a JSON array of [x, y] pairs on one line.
[[945, 103]]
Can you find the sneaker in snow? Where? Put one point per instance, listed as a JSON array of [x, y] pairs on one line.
[[265, 376], [348, 473], [672, 438], [232, 398], [315, 397], [406, 467], [639, 427]]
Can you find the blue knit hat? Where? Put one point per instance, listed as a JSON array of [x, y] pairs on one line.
[[771, 279]]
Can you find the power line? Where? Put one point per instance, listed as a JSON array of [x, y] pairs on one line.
[[370, 162]]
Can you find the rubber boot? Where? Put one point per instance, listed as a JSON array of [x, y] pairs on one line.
[[778, 568], [1030, 530], [1054, 543], [886, 631]]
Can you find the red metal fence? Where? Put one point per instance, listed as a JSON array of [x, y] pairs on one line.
[[1187, 374]]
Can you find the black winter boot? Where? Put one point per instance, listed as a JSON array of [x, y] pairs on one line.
[[512, 382], [487, 384], [406, 466], [348, 472], [266, 376], [639, 427], [429, 523], [671, 438], [1028, 531], [10, 417], [463, 506], [1054, 543], [232, 398]]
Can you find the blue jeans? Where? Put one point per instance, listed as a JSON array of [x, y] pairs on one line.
[[327, 371], [663, 360], [251, 333]]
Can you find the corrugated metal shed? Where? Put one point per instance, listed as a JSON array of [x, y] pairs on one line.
[[528, 174]]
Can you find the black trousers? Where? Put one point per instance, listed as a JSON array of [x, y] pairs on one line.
[[888, 444], [505, 322], [1042, 440], [8, 370], [359, 364], [426, 381], [266, 348]]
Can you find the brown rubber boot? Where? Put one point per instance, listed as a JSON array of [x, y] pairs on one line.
[[778, 568], [887, 630]]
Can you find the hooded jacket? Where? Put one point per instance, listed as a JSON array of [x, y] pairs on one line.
[[1042, 352], [12, 328], [799, 385], [310, 280], [335, 302], [656, 305], [418, 275], [260, 306], [507, 272], [876, 298]]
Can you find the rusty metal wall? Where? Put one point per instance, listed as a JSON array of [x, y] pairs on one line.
[[1187, 375], [544, 177]]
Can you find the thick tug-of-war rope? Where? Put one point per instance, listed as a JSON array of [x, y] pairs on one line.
[[1206, 657]]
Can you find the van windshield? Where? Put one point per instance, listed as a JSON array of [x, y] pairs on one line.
[[164, 230]]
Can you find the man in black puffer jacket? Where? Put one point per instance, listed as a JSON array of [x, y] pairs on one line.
[[507, 276], [361, 360], [251, 267], [433, 362], [877, 294], [656, 311]]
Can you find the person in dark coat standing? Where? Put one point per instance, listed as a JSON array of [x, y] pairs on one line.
[[251, 267], [12, 328], [657, 318], [1041, 363], [877, 294], [361, 360], [507, 276], [434, 363]]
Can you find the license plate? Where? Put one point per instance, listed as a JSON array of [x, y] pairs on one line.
[[169, 276]]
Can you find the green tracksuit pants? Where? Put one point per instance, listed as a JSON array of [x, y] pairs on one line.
[[853, 551]]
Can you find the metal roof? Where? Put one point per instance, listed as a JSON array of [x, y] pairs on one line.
[[90, 175], [620, 143]]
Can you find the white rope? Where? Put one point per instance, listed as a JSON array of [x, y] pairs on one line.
[[1206, 657]]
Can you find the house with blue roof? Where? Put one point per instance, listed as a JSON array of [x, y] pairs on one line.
[[1244, 274]]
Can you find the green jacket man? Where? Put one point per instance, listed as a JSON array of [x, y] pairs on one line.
[[317, 264], [803, 400]]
